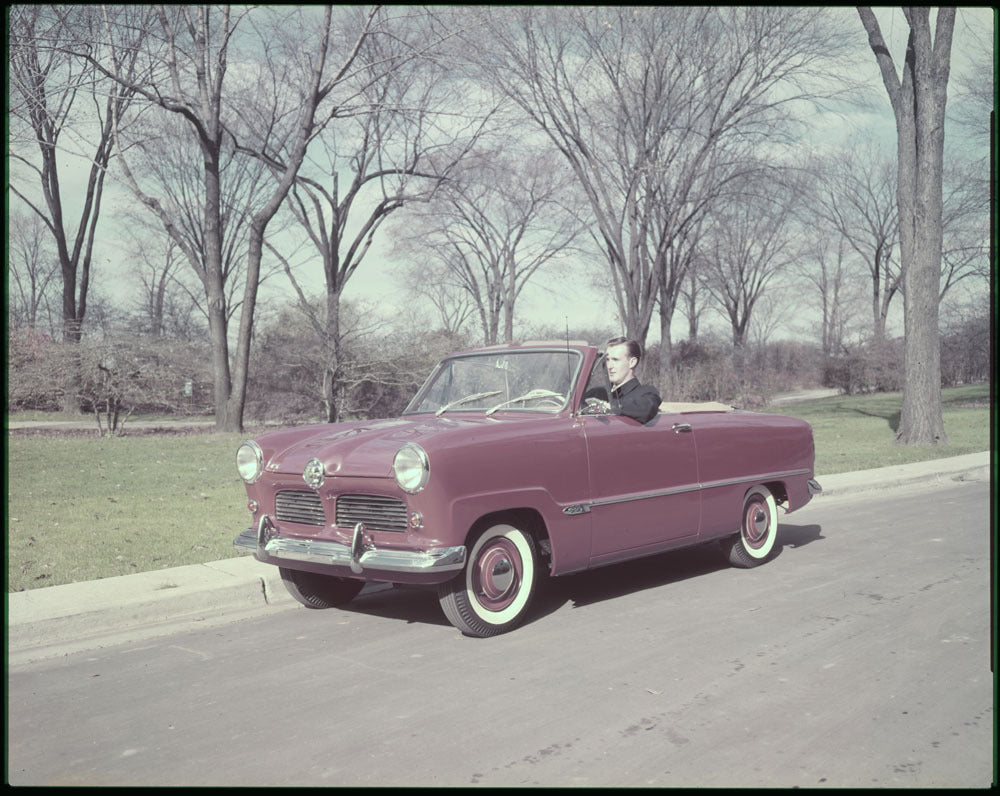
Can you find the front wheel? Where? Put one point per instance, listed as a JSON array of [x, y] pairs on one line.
[[493, 593], [758, 530], [319, 591]]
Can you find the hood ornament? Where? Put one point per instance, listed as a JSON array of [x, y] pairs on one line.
[[313, 473]]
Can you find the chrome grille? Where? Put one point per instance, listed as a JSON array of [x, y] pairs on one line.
[[302, 507], [376, 512]]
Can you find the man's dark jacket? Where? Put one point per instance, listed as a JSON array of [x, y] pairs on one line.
[[632, 399]]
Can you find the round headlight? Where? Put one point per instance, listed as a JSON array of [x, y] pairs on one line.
[[250, 461], [411, 468]]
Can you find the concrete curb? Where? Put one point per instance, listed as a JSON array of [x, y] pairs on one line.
[[969, 466], [59, 620], [74, 617]]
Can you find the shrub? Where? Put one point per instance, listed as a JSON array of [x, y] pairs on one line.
[[747, 376], [109, 376], [866, 368], [36, 365], [966, 352]]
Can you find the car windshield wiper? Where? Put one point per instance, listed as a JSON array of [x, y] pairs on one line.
[[528, 396], [466, 399]]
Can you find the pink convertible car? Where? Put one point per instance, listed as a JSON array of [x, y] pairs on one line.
[[500, 471]]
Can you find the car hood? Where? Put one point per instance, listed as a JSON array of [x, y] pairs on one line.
[[367, 449]]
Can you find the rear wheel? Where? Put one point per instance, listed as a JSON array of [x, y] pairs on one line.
[[758, 530], [319, 591], [493, 593]]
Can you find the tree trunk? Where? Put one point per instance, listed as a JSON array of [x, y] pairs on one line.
[[920, 170], [666, 382], [668, 304], [331, 378], [918, 101], [218, 322]]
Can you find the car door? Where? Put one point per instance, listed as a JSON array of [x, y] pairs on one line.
[[644, 488]]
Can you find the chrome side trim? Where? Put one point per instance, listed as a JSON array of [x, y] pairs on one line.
[[583, 508], [755, 479], [321, 551], [677, 490]]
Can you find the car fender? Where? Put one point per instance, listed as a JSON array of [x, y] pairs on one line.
[[568, 532]]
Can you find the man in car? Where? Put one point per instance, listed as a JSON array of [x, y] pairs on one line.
[[628, 396]]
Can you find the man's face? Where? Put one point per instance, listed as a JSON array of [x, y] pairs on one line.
[[620, 364]]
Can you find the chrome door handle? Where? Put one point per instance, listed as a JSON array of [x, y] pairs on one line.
[[681, 428]]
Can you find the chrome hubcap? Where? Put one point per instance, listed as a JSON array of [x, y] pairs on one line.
[[497, 577], [756, 525]]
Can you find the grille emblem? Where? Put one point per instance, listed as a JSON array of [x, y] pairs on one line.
[[313, 473]]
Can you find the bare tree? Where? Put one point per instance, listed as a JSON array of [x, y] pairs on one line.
[[431, 280], [186, 74], [856, 201], [492, 228], [50, 95], [653, 108], [974, 97], [918, 95], [827, 270], [32, 268], [396, 148], [680, 285], [749, 242], [965, 228], [167, 306], [690, 302], [168, 163]]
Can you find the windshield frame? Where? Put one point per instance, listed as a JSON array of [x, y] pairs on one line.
[[578, 361]]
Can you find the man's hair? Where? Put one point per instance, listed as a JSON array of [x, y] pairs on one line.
[[633, 348]]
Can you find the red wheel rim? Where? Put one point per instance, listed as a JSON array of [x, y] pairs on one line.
[[496, 576]]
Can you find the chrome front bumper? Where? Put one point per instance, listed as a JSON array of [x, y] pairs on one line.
[[358, 556]]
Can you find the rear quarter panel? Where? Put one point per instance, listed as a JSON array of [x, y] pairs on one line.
[[737, 450]]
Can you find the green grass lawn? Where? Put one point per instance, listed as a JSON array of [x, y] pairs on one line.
[[82, 508], [858, 432]]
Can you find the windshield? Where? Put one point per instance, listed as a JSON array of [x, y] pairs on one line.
[[534, 381]]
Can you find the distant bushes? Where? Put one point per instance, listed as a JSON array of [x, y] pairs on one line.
[[111, 376], [966, 352], [866, 368], [107, 377], [34, 362], [707, 370], [877, 366]]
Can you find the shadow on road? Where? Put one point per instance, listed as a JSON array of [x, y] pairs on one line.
[[618, 580], [798, 535], [410, 604], [414, 604]]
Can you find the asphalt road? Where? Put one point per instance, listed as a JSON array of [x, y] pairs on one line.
[[859, 656]]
